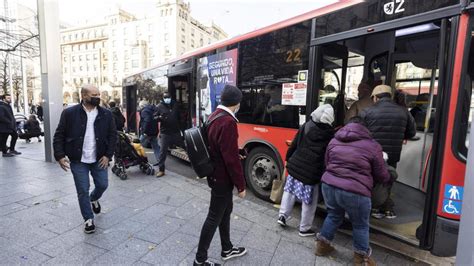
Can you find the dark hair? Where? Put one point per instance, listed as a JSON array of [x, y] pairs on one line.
[[400, 98], [358, 120], [112, 104], [383, 95]]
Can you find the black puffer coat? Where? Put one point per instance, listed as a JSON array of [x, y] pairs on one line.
[[7, 119], [389, 124], [305, 157]]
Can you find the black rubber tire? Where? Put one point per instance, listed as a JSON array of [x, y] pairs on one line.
[[123, 176], [261, 168]]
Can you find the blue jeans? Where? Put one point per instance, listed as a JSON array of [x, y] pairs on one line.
[[358, 207], [80, 172], [154, 145]]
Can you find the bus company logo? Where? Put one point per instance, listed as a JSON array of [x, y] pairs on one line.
[[394, 7], [260, 129]]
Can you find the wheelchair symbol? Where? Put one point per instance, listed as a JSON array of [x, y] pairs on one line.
[[450, 208]]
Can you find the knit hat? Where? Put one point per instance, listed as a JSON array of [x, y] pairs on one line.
[[230, 96], [381, 89], [323, 114]]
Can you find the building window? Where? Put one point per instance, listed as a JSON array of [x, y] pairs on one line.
[[73, 70], [167, 51], [95, 68], [201, 42], [165, 26], [80, 58], [134, 63], [96, 56], [150, 52], [104, 67], [192, 32], [150, 62], [113, 32], [150, 39], [150, 27], [166, 36], [183, 27], [192, 43], [81, 68], [126, 66], [125, 41], [65, 70], [88, 57], [183, 39], [115, 55], [135, 50], [65, 59], [137, 30], [124, 30], [95, 80], [126, 56]]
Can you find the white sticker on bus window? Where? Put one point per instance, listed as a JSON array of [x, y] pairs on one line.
[[294, 94]]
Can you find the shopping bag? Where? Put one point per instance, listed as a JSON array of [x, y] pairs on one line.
[[277, 189]]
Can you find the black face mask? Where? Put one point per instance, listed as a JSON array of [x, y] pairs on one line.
[[94, 101]]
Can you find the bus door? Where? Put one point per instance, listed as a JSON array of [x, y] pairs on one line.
[[130, 95], [180, 86], [403, 58]]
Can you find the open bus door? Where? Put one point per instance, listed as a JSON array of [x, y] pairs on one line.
[[401, 57], [130, 93]]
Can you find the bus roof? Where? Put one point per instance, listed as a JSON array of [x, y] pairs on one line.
[[279, 25]]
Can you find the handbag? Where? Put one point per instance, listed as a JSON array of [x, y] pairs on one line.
[[277, 189]]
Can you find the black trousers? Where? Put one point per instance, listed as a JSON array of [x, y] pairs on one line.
[[3, 141], [4, 138], [220, 210]]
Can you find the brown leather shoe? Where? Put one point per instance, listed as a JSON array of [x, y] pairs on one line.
[[160, 174], [361, 260], [323, 249]]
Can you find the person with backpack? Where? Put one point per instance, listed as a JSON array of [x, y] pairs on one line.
[[305, 165], [118, 116], [149, 128], [222, 136], [354, 161]]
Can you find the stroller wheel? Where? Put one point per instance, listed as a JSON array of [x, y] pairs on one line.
[[114, 169], [123, 176]]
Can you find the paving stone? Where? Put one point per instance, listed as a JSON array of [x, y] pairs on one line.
[[134, 248], [161, 230], [62, 243], [289, 253], [12, 254], [189, 209], [14, 198], [10, 208], [111, 258], [113, 217], [152, 214], [108, 238], [80, 254], [261, 238], [42, 198], [29, 235], [173, 250]]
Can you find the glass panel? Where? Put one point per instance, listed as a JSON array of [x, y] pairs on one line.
[[467, 101]]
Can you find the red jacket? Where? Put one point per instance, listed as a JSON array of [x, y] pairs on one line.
[[223, 138]]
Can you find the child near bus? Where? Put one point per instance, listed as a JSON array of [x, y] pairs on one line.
[[305, 165], [354, 161]]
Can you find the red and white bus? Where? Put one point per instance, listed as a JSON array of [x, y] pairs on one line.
[[424, 48]]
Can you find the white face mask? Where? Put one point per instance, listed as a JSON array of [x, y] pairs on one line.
[[167, 100]]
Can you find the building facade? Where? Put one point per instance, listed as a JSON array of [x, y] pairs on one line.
[[103, 54]]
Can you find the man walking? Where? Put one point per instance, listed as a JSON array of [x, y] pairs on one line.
[[170, 134], [84, 142], [149, 128], [222, 136], [7, 127], [389, 124]]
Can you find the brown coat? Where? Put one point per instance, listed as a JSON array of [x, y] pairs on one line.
[[357, 107]]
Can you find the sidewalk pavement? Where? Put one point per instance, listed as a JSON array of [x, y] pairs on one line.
[[145, 220]]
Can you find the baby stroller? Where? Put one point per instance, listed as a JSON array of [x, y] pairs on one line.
[[127, 155]]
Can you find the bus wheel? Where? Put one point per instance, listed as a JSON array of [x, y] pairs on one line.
[[261, 168]]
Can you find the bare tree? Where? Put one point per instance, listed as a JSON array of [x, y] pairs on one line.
[[4, 72]]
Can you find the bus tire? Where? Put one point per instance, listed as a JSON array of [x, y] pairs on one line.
[[261, 168]]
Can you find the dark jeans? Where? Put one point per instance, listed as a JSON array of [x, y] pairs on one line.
[[358, 207], [219, 213], [166, 141], [154, 144], [80, 172], [388, 205]]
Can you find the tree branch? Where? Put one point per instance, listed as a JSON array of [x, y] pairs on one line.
[[12, 49]]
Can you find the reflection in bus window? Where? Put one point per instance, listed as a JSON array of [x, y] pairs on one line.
[[266, 63], [466, 99]]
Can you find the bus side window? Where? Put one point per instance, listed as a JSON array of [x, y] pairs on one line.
[[466, 100]]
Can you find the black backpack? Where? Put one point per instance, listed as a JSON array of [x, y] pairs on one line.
[[197, 147]]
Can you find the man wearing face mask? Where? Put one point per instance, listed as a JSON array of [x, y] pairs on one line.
[[170, 134], [84, 142]]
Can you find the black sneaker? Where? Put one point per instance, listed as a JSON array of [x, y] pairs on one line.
[[390, 215], [377, 214], [7, 155], [206, 263], [233, 253], [307, 233], [282, 221], [95, 206], [15, 152], [89, 226]]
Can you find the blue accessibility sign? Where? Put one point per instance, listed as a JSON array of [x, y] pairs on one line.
[[452, 207], [453, 192]]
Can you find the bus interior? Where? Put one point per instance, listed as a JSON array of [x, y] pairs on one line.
[[406, 59]]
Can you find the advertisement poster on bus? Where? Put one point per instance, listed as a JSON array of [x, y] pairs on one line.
[[215, 71], [293, 94]]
